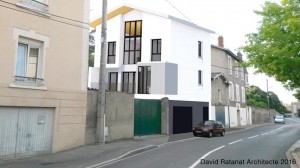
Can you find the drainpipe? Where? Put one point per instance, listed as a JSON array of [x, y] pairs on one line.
[[228, 116]]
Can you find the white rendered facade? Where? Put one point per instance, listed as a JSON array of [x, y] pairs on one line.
[[179, 48]]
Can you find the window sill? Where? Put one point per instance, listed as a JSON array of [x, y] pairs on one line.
[[12, 85], [43, 12]]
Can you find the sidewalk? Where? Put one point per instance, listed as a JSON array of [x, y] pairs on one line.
[[85, 156], [293, 154]]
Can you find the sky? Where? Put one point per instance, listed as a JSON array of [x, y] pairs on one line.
[[233, 19]]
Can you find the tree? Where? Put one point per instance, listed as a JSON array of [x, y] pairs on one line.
[[258, 98], [275, 48], [91, 48]]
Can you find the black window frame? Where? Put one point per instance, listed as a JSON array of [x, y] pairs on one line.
[[110, 82], [158, 49], [144, 79], [111, 54], [127, 88], [128, 50], [200, 49], [200, 74]]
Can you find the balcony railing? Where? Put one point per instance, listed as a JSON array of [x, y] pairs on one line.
[[35, 5], [26, 81]]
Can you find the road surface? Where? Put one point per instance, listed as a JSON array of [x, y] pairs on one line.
[[263, 146]]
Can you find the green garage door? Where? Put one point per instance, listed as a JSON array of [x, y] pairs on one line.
[[147, 117]]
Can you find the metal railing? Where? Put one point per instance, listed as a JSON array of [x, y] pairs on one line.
[[35, 5], [27, 81]]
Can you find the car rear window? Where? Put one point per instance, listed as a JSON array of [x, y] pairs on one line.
[[208, 122]]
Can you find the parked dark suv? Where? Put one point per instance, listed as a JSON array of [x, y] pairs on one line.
[[209, 128]]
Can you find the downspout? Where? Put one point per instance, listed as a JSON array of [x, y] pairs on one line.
[[228, 115]]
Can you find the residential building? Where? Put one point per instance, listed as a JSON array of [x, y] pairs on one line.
[[153, 56], [228, 81], [295, 109], [43, 88]]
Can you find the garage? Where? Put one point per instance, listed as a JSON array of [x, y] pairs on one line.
[[147, 117], [182, 119], [25, 131]]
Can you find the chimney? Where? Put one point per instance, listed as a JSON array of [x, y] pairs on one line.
[[221, 41], [239, 55]]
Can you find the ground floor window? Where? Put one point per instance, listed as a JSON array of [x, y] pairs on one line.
[[113, 81], [128, 82], [144, 79]]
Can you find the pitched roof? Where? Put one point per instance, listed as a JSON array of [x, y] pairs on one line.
[[230, 53], [123, 9]]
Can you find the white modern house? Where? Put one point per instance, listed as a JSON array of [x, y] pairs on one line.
[[153, 56]]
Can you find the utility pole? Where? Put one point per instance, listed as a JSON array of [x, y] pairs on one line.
[[100, 133]]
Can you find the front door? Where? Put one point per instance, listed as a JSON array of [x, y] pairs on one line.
[[238, 117]]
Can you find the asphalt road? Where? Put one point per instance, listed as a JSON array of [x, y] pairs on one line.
[[263, 146]]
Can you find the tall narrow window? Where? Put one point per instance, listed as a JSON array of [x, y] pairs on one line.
[[144, 79], [242, 73], [111, 53], [229, 65], [243, 95], [231, 91], [238, 99], [200, 49], [132, 41], [113, 81], [128, 83], [200, 77], [219, 96], [236, 69], [156, 50]]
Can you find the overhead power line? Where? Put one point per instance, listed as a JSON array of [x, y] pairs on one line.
[[233, 69], [173, 6], [34, 14]]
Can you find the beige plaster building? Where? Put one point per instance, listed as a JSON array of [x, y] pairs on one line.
[[43, 76]]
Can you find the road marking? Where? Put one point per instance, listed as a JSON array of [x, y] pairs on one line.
[[253, 136], [173, 142], [264, 133], [204, 156], [235, 141]]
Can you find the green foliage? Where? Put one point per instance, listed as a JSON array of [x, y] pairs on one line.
[[91, 48], [275, 48], [259, 98]]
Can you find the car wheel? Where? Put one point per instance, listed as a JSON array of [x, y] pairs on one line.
[[210, 134], [222, 133], [195, 134]]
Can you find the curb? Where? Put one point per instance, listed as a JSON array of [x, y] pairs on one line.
[[150, 147], [295, 156], [291, 154]]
